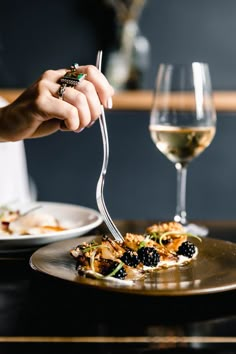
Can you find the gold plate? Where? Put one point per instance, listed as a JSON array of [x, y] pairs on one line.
[[213, 271]]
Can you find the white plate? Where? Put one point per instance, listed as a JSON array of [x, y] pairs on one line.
[[81, 220]]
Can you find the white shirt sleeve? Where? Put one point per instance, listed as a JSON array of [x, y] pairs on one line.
[[14, 178]]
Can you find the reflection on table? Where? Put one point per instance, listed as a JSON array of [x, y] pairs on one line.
[[39, 313]]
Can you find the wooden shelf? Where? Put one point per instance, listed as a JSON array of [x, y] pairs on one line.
[[225, 101]]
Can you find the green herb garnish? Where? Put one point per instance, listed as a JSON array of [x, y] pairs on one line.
[[177, 233], [89, 248], [155, 236], [116, 270], [143, 243]]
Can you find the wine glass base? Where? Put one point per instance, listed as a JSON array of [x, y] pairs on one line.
[[198, 230]]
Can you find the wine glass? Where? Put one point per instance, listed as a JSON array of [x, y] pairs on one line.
[[183, 123]]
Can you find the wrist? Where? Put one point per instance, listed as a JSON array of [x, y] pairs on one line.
[[5, 124]]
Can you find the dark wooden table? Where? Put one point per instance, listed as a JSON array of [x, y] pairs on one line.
[[42, 314]]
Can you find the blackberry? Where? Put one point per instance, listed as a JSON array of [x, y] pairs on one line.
[[166, 241], [130, 258], [120, 274], [187, 249], [149, 256]]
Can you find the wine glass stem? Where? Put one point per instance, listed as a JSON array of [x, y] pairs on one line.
[[181, 215]]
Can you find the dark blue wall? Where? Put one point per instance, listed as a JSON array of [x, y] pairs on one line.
[[35, 36], [193, 30], [140, 182]]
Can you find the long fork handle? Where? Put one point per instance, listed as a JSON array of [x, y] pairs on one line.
[[99, 192], [100, 199]]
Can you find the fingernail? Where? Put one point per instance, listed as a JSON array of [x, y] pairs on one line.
[[79, 130], [90, 124], [109, 103]]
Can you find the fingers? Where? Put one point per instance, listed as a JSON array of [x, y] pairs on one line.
[[49, 127], [80, 105], [86, 100], [59, 109], [104, 90], [38, 111], [78, 109]]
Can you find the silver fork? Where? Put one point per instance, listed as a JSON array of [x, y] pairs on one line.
[[100, 185]]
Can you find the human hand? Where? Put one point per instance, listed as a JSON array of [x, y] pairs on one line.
[[38, 111]]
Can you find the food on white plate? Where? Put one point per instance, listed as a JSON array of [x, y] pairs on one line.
[[12, 222], [163, 245]]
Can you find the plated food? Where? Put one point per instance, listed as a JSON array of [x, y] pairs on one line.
[[213, 270], [14, 222], [26, 226], [162, 246]]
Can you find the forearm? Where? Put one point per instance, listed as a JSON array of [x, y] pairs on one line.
[[15, 123], [3, 128]]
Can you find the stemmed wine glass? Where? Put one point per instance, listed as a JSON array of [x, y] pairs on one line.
[[183, 123]]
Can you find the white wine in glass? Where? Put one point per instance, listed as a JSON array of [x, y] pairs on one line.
[[183, 123]]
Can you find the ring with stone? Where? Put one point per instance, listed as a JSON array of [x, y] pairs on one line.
[[72, 78]]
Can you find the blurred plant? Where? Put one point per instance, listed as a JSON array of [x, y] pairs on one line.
[[126, 9], [127, 64]]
